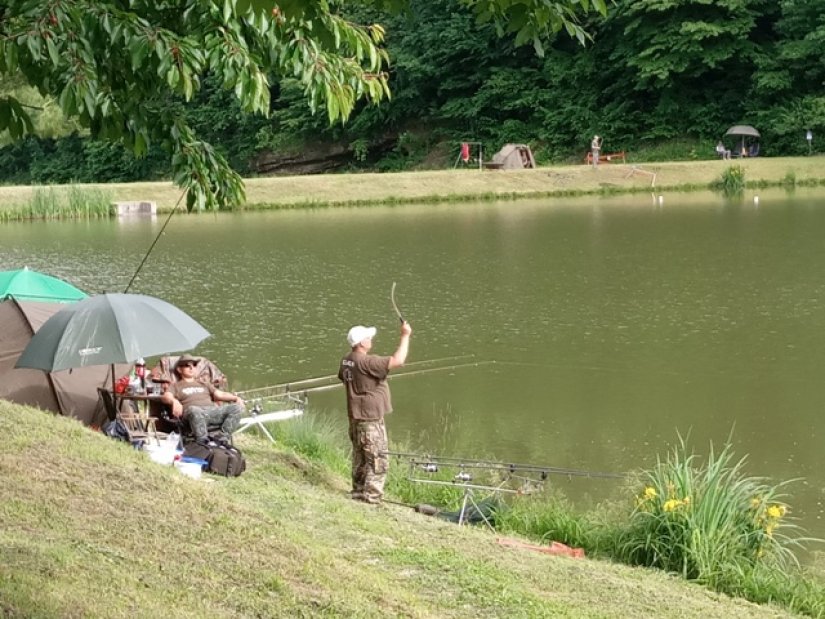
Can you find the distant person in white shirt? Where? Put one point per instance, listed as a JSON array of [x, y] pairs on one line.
[[595, 148], [723, 152]]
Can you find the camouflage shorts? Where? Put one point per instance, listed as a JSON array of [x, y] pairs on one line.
[[369, 459]]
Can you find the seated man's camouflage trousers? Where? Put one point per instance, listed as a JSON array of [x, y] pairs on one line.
[[201, 419]]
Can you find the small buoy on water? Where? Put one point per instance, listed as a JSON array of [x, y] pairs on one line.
[[756, 200]]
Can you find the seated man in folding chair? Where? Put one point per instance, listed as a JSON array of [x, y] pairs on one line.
[[201, 404]]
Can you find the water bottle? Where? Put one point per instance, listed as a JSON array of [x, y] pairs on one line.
[[140, 373]]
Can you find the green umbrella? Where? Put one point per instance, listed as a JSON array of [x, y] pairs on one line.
[[27, 285], [110, 328]]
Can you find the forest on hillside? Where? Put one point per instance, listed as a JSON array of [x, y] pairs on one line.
[[660, 79]]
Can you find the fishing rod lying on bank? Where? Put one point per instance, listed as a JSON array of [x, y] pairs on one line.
[[497, 479], [432, 464]]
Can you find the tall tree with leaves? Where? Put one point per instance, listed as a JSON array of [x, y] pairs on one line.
[[789, 83], [690, 60], [120, 66]]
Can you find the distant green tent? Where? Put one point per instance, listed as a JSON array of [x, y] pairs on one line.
[[27, 285]]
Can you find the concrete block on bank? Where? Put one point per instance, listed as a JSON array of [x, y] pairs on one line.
[[129, 209]]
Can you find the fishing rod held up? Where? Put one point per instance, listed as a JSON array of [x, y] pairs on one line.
[[395, 305]]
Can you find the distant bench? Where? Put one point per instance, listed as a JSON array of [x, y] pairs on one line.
[[607, 157]]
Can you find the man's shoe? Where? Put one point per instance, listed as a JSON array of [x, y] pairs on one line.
[[357, 496], [222, 439]]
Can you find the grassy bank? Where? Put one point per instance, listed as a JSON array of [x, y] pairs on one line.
[[90, 527], [463, 185]]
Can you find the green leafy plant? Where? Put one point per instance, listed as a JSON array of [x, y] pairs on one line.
[[732, 181], [52, 203], [703, 520], [360, 149], [316, 438], [88, 202], [548, 517]]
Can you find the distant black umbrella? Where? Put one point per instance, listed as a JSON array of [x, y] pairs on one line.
[[743, 131], [110, 328]]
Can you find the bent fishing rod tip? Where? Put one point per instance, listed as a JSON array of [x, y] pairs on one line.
[[395, 305]]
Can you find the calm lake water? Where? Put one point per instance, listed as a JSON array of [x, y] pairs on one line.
[[614, 324]]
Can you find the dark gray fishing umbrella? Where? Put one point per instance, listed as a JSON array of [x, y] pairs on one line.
[[742, 131], [110, 328]]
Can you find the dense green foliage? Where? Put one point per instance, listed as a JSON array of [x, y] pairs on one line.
[[656, 71], [659, 78], [124, 69]]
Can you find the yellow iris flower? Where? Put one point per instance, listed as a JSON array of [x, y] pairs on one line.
[[755, 501]]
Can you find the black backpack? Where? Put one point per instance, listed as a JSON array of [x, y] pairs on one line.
[[227, 461], [222, 459]]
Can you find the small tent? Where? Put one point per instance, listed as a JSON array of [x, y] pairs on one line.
[[514, 157], [70, 392]]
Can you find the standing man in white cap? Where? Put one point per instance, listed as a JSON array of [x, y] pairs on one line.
[[368, 400]]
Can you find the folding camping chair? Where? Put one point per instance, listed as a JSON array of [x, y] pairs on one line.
[[139, 428]]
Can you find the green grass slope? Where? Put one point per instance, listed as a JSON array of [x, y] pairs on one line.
[[91, 528]]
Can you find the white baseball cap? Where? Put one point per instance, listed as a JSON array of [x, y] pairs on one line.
[[360, 333]]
